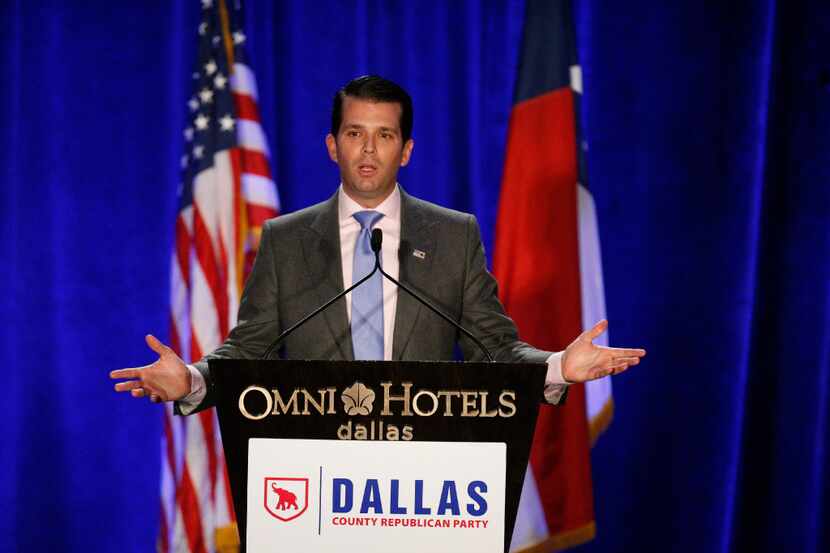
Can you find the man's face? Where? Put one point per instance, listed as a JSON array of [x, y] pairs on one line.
[[369, 149]]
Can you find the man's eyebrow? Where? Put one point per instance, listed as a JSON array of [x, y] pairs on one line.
[[359, 126]]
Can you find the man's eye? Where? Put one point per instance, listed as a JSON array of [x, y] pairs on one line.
[[353, 133]]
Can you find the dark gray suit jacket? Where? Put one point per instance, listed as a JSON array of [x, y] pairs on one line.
[[298, 268]]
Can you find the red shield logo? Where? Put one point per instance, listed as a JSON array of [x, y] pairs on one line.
[[286, 498]]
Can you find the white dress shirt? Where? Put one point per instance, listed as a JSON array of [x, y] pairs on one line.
[[390, 224]]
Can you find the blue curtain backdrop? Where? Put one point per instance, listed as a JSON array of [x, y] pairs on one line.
[[709, 130]]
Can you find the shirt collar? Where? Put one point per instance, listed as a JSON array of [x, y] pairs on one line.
[[390, 207]]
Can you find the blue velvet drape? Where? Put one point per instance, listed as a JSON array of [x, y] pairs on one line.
[[709, 130]]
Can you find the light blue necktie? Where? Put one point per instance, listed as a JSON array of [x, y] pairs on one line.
[[367, 299]]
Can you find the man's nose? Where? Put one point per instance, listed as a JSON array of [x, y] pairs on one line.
[[369, 144]]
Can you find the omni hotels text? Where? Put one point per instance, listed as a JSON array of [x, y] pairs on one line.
[[358, 400]]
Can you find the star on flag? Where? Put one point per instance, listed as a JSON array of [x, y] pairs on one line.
[[202, 121], [226, 123]]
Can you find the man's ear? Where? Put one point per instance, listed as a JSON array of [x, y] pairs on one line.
[[407, 151], [331, 146]]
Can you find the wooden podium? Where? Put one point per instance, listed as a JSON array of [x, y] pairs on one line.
[[378, 400]]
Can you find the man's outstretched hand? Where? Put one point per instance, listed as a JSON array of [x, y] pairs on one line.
[[583, 360], [167, 379]]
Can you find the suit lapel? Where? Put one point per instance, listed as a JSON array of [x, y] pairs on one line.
[[417, 245], [322, 253]]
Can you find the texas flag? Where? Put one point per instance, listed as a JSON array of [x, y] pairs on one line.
[[547, 260]]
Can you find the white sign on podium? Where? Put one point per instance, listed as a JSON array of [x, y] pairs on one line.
[[331, 495]]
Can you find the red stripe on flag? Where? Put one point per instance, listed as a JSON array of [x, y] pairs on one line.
[[246, 107], [207, 261], [169, 459], [227, 483], [222, 271], [171, 454], [240, 222], [183, 250], [162, 546], [540, 288], [253, 162], [175, 341], [195, 347], [191, 514], [209, 433]]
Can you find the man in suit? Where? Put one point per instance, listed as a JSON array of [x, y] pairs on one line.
[[434, 250]]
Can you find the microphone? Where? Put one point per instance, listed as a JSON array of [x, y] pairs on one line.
[[377, 240], [301, 322]]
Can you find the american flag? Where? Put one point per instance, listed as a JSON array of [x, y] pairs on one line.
[[227, 193]]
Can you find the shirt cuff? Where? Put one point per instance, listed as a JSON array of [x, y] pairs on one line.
[[197, 394], [555, 384]]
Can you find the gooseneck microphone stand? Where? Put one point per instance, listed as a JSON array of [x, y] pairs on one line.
[[376, 242], [377, 236]]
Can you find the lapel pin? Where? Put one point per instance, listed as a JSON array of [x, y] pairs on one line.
[[419, 254]]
